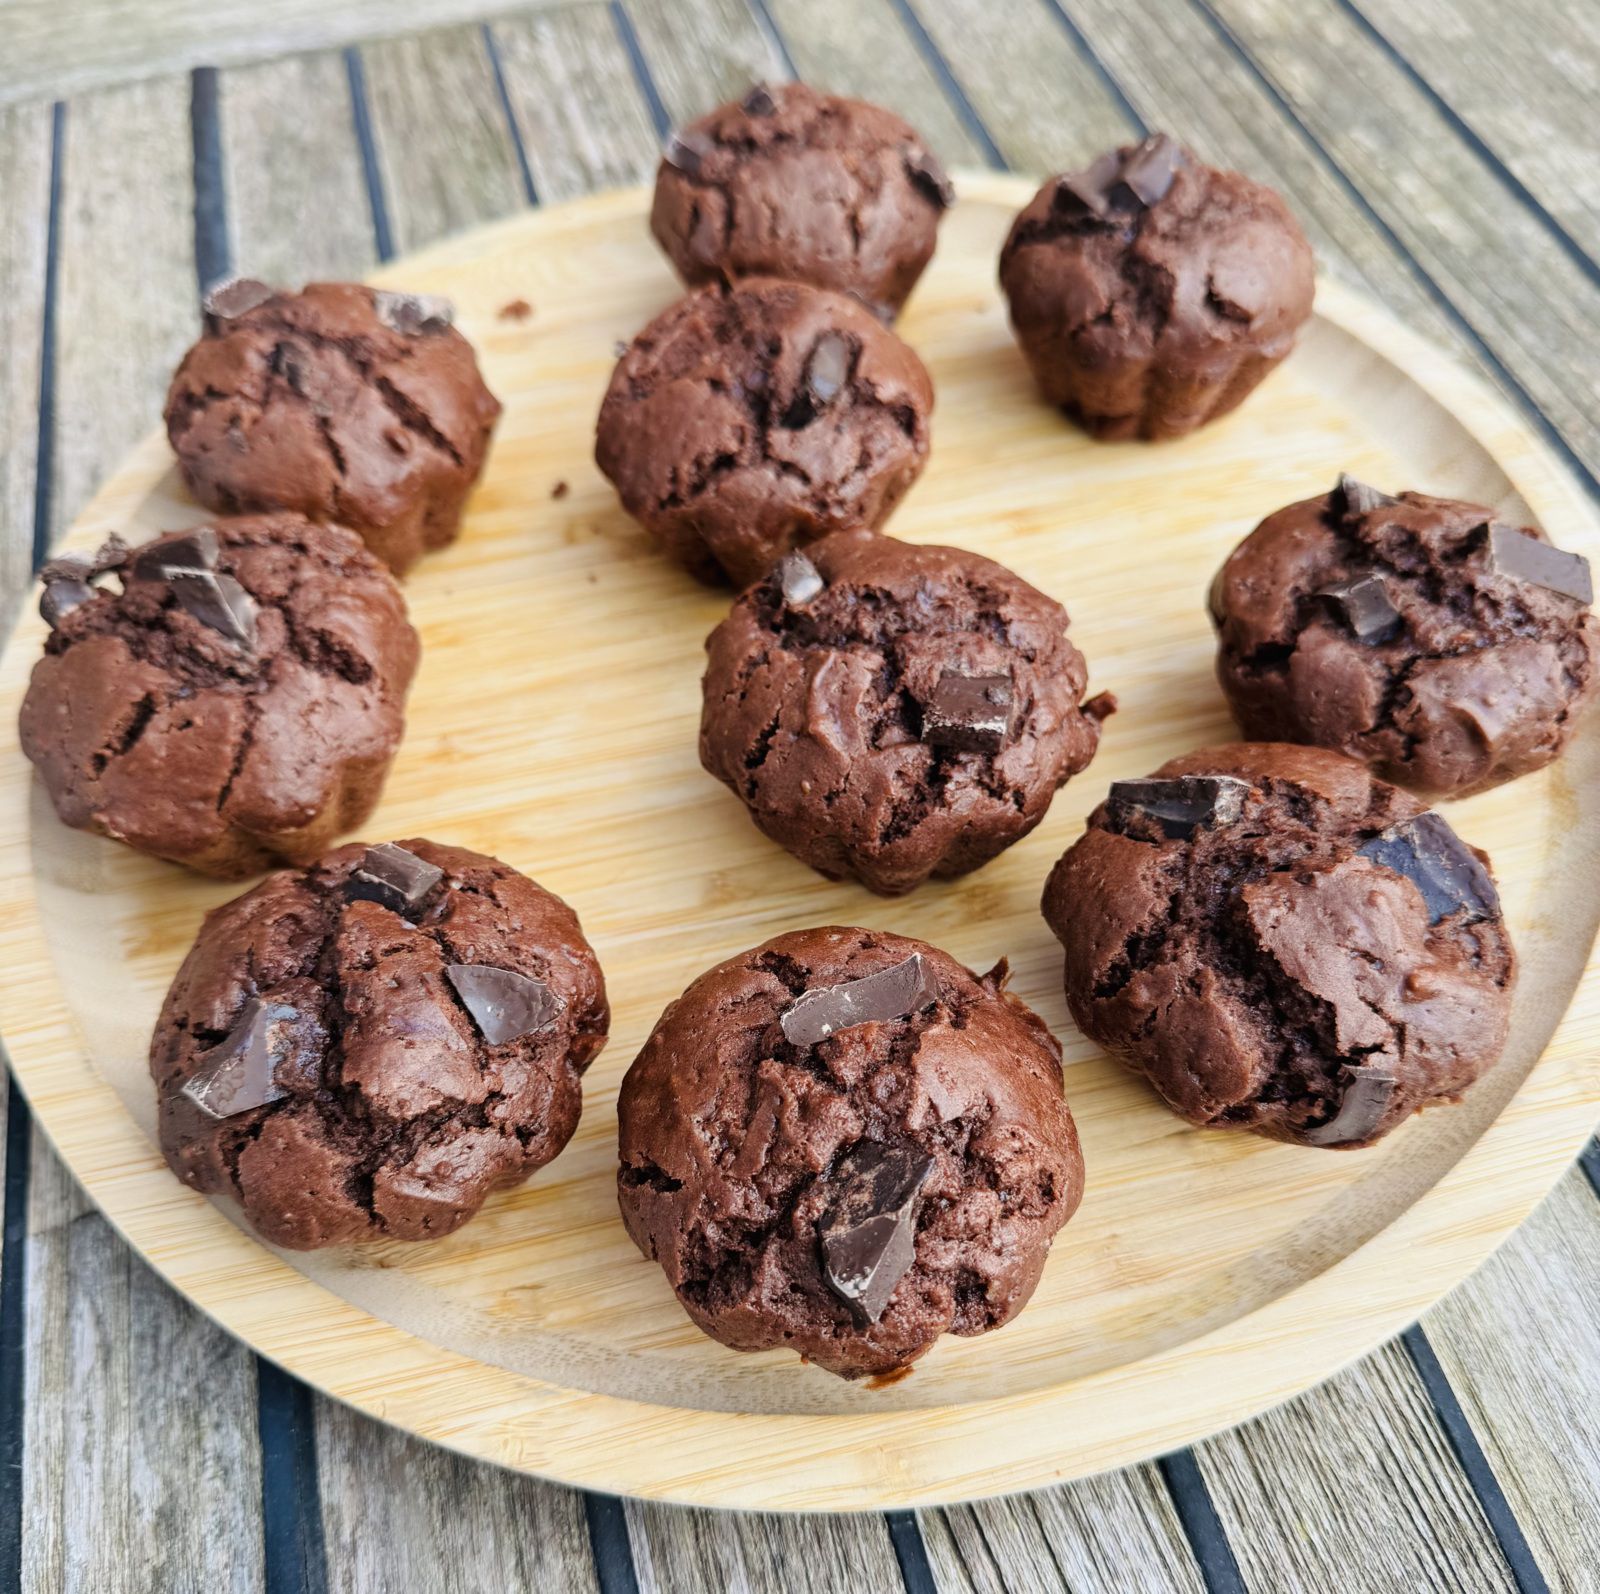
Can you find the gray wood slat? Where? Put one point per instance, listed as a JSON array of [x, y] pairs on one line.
[[704, 54]]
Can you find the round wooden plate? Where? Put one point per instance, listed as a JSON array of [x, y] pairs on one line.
[[1208, 1275]]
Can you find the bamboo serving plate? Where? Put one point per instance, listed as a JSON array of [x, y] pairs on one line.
[[1208, 1275]]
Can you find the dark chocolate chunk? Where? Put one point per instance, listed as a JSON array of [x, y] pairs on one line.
[[798, 580], [1364, 605], [868, 1230], [828, 369], [400, 880], [1088, 191], [1447, 872], [1179, 806], [688, 153], [1515, 553], [1148, 172], [930, 179], [503, 1003], [1366, 1099], [1356, 498], [217, 601], [895, 992], [61, 596], [759, 101], [238, 296], [413, 313], [971, 713], [194, 550], [242, 1071]]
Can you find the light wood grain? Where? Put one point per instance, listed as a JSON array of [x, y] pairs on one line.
[[535, 1335]]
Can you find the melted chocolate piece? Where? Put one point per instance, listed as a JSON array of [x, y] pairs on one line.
[[242, 1071], [1364, 605], [1448, 873], [1179, 806], [1366, 1099], [798, 580], [1524, 558], [688, 153], [971, 713], [1149, 171], [895, 992], [400, 880], [868, 1231], [61, 596], [930, 179], [503, 1003], [759, 101], [217, 601], [1088, 191], [227, 301], [413, 313], [194, 550], [1356, 498]]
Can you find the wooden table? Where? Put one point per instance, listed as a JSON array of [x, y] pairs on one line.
[[1443, 155]]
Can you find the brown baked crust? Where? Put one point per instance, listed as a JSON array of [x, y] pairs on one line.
[[715, 446], [1153, 319], [812, 715], [1245, 971], [150, 727], [312, 402], [1483, 678], [412, 1119], [809, 186], [728, 1132]]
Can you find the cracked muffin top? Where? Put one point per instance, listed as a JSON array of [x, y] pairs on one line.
[[1280, 942], [238, 701], [340, 402], [1151, 293], [791, 183], [846, 1144], [889, 712], [745, 421], [367, 1048], [1449, 650]]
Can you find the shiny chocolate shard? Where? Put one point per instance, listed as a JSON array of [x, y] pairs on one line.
[[1179, 806], [758, 101], [241, 1072], [1448, 873], [503, 1003], [192, 550], [413, 313], [868, 1231], [688, 153], [1367, 1095], [898, 991], [1356, 498], [1088, 192], [399, 880], [1515, 553], [61, 596], [1148, 172], [1363, 603], [799, 580], [970, 713], [236, 296], [930, 179], [217, 601]]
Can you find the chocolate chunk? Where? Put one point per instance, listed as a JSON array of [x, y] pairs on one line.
[[930, 179], [969, 712], [1364, 605], [1088, 191], [61, 596], [828, 369], [413, 313], [798, 580], [1515, 553], [688, 153], [868, 1231], [1366, 1099], [759, 101], [194, 550], [1179, 806], [242, 1071], [237, 296], [895, 992], [1356, 498], [400, 880], [1149, 171], [503, 1003], [217, 601], [1447, 872]]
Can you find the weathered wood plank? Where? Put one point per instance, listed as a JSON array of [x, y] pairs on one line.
[[583, 121], [444, 146], [24, 227], [1101, 1536], [1521, 1345], [703, 54], [297, 197]]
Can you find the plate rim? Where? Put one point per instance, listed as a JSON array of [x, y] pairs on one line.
[[893, 1459]]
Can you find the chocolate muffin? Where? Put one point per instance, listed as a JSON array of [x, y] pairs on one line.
[[746, 420], [1449, 650], [845, 1143], [788, 182], [1151, 293], [341, 402], [891, 712], [1280, 942], [237, 703], [367, 1048]]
